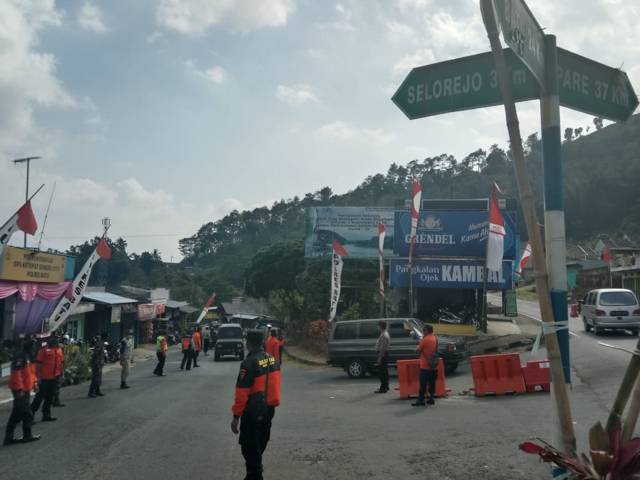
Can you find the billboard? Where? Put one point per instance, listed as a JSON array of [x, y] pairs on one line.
[[450, 234], [24, 265], [354, 227], [449, 274]]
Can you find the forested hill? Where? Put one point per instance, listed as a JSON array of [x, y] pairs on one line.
[[602, 172]]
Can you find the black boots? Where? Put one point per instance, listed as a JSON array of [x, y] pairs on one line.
[[123, 386]]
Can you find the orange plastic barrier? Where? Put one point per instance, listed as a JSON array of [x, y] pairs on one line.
[[497, 374], [409, 379], [537, 376], [574, 310]]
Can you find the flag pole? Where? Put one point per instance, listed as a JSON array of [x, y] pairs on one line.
[[485, 272]]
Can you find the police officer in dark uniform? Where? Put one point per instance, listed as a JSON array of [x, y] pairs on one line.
[[257, 394], [21, 382], [96, 362]]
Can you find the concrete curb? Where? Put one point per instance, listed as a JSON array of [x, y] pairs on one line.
[[304, 360]]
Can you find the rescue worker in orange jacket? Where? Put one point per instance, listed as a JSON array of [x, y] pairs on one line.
[[428, 351], [21, 383], [187, 352], [272, 345], [197, 346], [257, 395], [59, 372], [48, 366]]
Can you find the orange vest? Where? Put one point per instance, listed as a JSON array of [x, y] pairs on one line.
[[272, 347], [22, 378], [197, 341], [186, 341], [59, 361], [49, 360], [427, 346]]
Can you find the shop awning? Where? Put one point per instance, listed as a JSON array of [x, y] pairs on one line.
[[174, 304], [107, 298]]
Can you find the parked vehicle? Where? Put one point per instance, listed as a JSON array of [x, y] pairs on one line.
[[230, 342], [610, 308], [352, 345], [111, 352]]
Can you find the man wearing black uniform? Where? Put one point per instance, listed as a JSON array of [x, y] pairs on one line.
[[257, 395]]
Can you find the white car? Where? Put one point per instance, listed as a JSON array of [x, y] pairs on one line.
[[611, 308]]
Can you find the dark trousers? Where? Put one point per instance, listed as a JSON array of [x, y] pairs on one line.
[[20, 413], [195, 358], [96, 381], [186, 359], [254, 437], [383, 373], [207, 343], [427, 378], [56, 394], [160, 366], [46, 392]]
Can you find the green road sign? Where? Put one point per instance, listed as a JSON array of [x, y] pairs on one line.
[[594, 88], [461, 84], [522, 33], [470, 82]]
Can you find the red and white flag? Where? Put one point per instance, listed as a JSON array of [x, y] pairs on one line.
[[416, 199], [23, 219], [523, 260], [68, 303], [336, 277], [205, 309], [495, 246], [381, 235]]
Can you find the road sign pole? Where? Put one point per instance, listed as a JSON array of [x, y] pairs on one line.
[[561, 396], [555, 240]]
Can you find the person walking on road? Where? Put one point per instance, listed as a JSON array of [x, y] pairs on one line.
[[126, 358], [187, 352], [96, 362], [59, 372], [257, 395], [382, 349], [47, 371], [21, 383], [429, 359], [206, 340], [161, 353], [197, 346]]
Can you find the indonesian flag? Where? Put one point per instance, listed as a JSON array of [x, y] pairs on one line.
[[68, 304], [416, 198], [495, 246], [23, 219], [523, 260], [381, 235], [606, 255], [205, 309], [336, 277]]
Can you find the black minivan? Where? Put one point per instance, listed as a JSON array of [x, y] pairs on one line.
[[352, 344], [230, 341]]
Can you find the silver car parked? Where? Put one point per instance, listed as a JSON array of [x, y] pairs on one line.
[[610, 308]]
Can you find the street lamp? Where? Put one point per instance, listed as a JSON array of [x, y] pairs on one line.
[[106, 223], [26, 160]]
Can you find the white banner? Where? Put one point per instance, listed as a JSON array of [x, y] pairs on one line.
[[336, 275], [205, 309], [68, 305], [7, 230], [381, 235]]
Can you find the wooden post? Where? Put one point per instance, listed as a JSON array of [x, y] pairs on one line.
[[624, 392], [531, 218]]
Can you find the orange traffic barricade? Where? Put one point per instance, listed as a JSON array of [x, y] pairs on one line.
[[574, 310], [537, 375], [409, 378], [497, 374]]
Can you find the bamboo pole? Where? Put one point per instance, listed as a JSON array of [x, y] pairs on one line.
[[624, 392], [531, 218], [631, 419]]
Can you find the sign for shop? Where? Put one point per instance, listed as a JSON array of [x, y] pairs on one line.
[[448, 274], [450, 234], [24, 265]]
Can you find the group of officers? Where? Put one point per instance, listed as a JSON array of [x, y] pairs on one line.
[[38, 365]]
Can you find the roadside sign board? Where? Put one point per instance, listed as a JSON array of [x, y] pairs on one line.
[[461, 84], [594, 88], [522, 33]]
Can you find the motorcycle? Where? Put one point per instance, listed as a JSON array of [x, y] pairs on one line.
[[111, 353]]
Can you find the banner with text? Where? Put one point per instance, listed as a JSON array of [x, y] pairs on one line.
[[448, 274], [450, 234], [356, 228]]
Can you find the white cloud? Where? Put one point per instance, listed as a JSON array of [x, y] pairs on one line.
[[413, 4], [343, 20], [194, 17], [90, 18], [154, 37], [399, 31], [27, 76], [216, 74], [420, 57], [345, 132], [295, 95]]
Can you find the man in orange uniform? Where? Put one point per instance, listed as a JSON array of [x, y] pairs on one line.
[[48, 366], [59, 372], [428, 351], [187, 352], [197, 346], [272, 345], [257, 395], [21, 383]]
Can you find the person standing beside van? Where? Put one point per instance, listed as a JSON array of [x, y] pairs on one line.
[[382, 350], [429, 359]]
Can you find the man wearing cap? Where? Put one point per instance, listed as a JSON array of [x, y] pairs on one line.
[[197, 346], [256, 396], [126, 358], [161, 353], [47, 371], [59, 372]]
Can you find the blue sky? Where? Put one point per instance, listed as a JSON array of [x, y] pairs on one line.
[[166, 114]]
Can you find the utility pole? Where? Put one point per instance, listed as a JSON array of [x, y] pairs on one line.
[[26, 160]]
